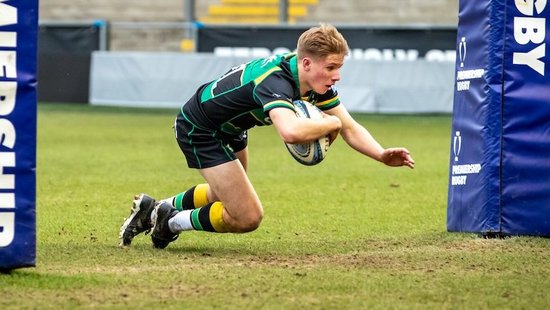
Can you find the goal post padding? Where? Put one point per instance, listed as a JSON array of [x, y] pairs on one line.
[[18, 63], [499, 173]]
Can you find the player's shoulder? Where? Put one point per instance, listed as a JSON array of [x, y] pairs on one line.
[[270, 63], [268, 69]]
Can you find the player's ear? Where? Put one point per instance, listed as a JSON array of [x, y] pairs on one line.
[[306, 63]]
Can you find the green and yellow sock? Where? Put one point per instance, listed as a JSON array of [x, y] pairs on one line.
[[195, 197], [207, 218]]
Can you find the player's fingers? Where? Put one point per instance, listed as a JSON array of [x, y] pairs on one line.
[[405, 156]]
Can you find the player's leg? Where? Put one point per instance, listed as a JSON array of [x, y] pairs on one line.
[[197, 196], [233, 205], [200, 195], [241, 206], [239, 209], [242, 156], [201, 207]]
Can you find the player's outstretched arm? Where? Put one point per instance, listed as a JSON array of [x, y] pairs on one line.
[[360, 139]]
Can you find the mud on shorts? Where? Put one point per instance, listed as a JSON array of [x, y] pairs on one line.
[[205, 148]]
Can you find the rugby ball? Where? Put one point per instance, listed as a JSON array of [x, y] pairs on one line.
[[314, 152]]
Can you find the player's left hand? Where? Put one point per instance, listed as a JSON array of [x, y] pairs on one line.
[[397, 157]]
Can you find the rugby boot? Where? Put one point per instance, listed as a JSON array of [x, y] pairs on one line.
[[162, 235], [139, 220]]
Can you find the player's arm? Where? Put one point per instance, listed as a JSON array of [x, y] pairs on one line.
[[292, 129], [360, 139]]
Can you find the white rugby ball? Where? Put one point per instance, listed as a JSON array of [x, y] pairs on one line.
[[314, 152]]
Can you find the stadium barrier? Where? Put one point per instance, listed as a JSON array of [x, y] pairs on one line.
[[499, 172], [140, 79], [18, 65]]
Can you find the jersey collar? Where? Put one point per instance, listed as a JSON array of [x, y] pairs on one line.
[[294, 69]]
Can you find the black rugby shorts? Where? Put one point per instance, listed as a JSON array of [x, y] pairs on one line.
[[204, 148]]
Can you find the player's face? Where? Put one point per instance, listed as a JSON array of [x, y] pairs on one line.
[[323, 73]]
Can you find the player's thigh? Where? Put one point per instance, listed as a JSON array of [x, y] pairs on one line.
[[232, 187], [242, 156]]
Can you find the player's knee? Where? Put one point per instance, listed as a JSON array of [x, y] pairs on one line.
[[251, 222]]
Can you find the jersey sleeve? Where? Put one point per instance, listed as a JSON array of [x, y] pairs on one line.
[[274, 92], [328, 100]]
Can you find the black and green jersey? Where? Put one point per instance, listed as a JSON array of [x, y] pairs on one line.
[[243, 97]]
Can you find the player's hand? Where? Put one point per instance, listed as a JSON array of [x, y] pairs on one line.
[[333, 135], [397, 157]]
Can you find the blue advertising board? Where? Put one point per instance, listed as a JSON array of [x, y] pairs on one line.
[[18, 33], [499, 171]]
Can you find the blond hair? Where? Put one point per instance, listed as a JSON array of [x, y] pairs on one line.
[[321, 41]]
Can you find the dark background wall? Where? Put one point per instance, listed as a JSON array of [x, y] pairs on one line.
[[64, 55]]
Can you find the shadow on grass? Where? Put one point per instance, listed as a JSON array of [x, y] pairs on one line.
[[34, 279]]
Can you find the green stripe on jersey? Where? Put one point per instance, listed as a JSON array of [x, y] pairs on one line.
[[278, 104], [262, 77], [328, 104]]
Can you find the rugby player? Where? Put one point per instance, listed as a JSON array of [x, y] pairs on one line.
[[211, 130]]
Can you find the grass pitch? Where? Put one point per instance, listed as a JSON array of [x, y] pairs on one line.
[[349, 233]]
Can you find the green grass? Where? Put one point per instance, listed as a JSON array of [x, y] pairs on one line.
[[347, 234]]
